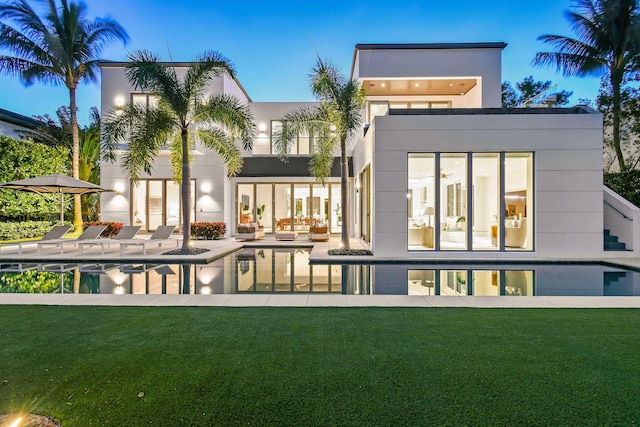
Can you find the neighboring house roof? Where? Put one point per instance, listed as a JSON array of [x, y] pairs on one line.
[[406, 46], [120, 64], [18, 119]]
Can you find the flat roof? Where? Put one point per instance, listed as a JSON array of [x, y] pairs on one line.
[[103, 63], [18, 119], [391, 46]]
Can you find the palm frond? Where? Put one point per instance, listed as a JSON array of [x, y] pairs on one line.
[[146, 132], [326, 80], [228, 111], [219, 142], [303, 120], [206, 67], [147, 72]]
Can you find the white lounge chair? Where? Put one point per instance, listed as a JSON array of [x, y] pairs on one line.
[[92, 232], [160, 236], [128, 232], [55, 233]]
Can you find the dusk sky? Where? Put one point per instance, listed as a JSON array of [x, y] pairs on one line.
[[273, 43]]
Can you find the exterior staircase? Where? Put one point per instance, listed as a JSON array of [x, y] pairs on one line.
[[611, 242]]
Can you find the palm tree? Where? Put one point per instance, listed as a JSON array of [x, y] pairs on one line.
[[62, 47], [183, 115], [334, 124], [607, 41]]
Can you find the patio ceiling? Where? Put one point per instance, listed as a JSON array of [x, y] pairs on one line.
[[413, 87]]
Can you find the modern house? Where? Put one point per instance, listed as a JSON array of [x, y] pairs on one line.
[[440, 171], [12, 123]]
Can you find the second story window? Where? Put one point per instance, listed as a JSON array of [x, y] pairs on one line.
[[145, 100], [301, 144]]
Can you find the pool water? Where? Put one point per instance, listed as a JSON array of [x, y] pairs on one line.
[[288, 271]]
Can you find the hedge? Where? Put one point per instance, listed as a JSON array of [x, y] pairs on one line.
[[24, 229], [208, 230], [626, 184]]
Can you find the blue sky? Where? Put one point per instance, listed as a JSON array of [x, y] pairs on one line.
[[273, 43]]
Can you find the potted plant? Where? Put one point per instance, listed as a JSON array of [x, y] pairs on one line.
[[260, 212]]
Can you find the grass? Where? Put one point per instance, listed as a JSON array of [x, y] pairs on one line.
[[321, 366]]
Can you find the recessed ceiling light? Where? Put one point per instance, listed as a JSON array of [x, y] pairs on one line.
[[417, 84], [383, 84], [450, 84]]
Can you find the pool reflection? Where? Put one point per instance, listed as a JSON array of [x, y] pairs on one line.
[[288, 271]]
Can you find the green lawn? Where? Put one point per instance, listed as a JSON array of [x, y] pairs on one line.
[[321, 366]]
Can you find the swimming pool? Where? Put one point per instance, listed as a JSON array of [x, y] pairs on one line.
[[288, 271]]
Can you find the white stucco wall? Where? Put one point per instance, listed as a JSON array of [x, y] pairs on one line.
[[567, 149]]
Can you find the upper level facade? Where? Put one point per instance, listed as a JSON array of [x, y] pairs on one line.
[[393, 76], [433, 75]]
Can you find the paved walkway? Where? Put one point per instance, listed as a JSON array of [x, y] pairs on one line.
[[219, 248]]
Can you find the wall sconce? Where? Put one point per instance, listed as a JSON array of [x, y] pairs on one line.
[[262, 127], [119, 102], [119, 188], [205, 189]]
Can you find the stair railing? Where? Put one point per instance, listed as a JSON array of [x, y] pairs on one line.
[[615, 209]]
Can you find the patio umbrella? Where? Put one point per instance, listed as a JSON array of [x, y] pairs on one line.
[[55, 183]]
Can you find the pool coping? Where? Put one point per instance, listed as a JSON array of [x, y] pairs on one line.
[[309, 300], [220, 248]]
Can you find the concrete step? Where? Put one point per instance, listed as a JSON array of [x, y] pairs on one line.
[[611, 242]]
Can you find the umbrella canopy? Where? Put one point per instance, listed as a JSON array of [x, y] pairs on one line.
[[55, 183]]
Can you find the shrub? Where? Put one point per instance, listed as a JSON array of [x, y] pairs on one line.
[[24, 159], [112, 229], [626, 184], [208, 230], [24, 229]]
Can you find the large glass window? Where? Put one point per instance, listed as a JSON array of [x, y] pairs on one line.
[[453, 201], [421, 200], [336, 209], [486, 200], [144, 100], [289, 206], [156, 202], [245, 204], [320, 204], [264, 211], [301, 144], [282, 207], [518, 201], [470, 201]]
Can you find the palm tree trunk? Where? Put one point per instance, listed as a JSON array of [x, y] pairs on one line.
[[344, 163], [186, 191], [616, 82], [75, 157]]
